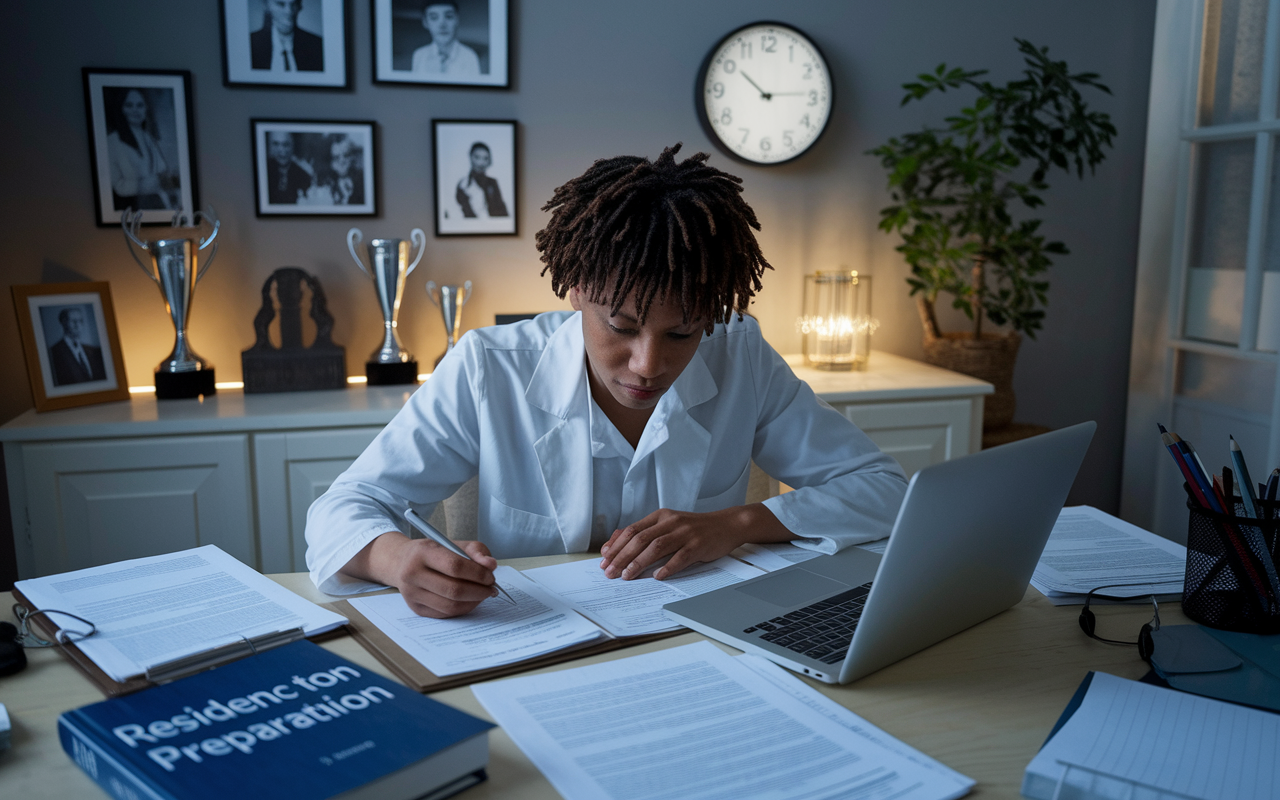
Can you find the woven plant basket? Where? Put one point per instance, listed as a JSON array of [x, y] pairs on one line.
[[990, 358]]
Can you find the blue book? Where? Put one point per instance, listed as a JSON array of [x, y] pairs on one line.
[[296, 722]]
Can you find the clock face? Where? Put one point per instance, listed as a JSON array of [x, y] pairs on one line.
[[765, 93]]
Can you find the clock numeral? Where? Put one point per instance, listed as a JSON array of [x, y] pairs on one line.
[[717, 90], [791, 53], [726, 117], [808, 72], [729, 66], [787, 141], [805, 121], [813, 97], [765, 144], [745, 133], [768, 44], [746, 50]]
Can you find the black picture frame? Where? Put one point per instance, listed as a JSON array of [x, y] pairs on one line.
[[480, 51], [322, 50], [125, 165], [314, 175], [456, 192]]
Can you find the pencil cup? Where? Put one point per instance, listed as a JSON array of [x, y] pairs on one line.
[[1231, 575]]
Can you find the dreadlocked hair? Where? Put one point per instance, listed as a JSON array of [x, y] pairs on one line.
[[656, 229]]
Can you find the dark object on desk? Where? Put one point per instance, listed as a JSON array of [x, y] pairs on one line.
[[1230, 578], [507, 319], [338, 729], [291, 367], [13, 659], [1241, 668]]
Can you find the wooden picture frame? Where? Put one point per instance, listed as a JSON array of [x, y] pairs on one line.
[[314, 168], [474, 195], [476, 55], [71, 344], [320, 57], [141, 143]]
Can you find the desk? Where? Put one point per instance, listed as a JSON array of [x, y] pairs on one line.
[[981, 702]]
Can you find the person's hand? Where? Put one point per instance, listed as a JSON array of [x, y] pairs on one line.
[[433, 581], [687, 537]]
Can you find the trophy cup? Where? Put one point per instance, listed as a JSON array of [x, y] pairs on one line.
[[450, 300], [177, 264], [389, 266]]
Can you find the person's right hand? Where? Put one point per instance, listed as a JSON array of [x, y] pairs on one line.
[[434, 582]]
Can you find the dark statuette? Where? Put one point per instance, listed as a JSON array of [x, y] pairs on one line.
[[292, 367]]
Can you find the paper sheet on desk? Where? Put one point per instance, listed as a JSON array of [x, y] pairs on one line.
[[634, 608], [494, 634], [150, 611], [1089, 548], [692, 723], [776, 556]]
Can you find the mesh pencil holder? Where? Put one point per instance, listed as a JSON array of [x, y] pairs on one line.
[[1230, 579]]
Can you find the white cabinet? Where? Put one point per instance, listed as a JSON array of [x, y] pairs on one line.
[[122, 480]]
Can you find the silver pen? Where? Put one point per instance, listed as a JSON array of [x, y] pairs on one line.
[[439, 538]]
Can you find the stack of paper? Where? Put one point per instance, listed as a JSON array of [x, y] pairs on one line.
[[1089, 548], [693, 723]]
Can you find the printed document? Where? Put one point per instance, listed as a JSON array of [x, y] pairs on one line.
[[693, 723], [150, 611], [494, 634], [778, 555], [1089, 548], [1160, 741], [634, 607]]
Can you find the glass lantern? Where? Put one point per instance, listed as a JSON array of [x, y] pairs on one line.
[[837, 324]]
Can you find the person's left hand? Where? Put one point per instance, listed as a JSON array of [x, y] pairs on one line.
[[688, 537]]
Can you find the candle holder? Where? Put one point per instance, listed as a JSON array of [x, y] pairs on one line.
[[836, 326]]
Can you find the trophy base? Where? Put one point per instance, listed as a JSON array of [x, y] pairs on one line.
[[390, 374], [178, 385]]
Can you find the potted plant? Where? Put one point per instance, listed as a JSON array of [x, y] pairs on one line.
[[955, 191]]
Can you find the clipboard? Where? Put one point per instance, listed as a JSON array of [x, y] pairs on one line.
[[175, 670], [411, 671]]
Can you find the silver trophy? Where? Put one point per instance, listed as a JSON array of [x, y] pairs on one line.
[[177, 262], [389, 265], [450, 300]]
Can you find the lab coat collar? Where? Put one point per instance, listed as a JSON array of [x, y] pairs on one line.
[[564, 356], [680, 445]]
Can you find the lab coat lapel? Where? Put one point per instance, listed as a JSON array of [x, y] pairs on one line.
[[559, 387], [681, 458]]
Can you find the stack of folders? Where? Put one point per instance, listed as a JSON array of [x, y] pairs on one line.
[[1120, 738], [160, 618], [695, 723]]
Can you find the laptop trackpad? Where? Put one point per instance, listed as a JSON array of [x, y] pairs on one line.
[[793, 587]]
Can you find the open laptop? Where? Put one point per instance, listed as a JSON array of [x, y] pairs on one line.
[[963, 548]]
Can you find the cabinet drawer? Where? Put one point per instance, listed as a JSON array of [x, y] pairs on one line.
[[95, 502], [918, 433]]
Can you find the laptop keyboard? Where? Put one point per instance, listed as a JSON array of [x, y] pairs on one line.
[[821, 631]]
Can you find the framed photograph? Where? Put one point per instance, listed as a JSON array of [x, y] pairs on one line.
[[70, 341], [475, 176], [306, 168], [301, 43], [141, 143], [441, 42]]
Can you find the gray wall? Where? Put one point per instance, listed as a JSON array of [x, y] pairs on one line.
[[590, 78]]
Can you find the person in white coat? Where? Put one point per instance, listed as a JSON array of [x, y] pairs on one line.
[[628, 425]]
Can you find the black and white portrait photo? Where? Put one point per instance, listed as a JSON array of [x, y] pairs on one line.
[[475, 176], [73, 350], [140, 126], [285, 43], [451, 42], [314, 168]]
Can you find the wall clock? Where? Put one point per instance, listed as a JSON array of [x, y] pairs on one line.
[[764, 93]]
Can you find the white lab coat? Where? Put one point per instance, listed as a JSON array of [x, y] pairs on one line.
[[511, 403]]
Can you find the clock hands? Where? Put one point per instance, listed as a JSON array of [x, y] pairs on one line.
[[763, 93]]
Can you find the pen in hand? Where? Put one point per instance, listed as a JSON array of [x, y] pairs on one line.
[[439, 538]]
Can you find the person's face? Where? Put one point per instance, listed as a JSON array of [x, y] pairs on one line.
[[442, 21], [73, 327], [480, 160], [134, 108], [280, 147], [340, 158], [636, 363], [284, 13]]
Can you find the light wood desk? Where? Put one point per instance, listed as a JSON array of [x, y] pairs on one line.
[[981, 702]]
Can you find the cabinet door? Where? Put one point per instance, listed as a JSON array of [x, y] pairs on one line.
[[95, 502], [293, 469], [918, 433]]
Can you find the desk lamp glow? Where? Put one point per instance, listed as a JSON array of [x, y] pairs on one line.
[[837, 324]]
